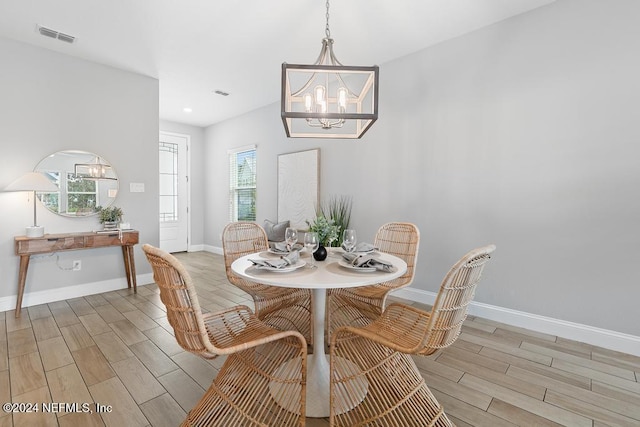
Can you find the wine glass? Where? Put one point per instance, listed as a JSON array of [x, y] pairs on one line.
[[312, 243], [349, 239], [291, 237]]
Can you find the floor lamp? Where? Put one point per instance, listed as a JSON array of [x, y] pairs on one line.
[[33, 181]]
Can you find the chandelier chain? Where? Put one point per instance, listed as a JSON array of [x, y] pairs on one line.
[[326, 28], [318, 103]]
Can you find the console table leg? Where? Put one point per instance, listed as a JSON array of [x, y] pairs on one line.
[[22, 278], [130, 267]]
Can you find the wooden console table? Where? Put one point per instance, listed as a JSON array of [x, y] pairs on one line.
[[49, 243]]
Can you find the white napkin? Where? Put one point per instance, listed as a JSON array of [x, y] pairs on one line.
[[283, 247], [285, 260], [292, 257], [367, 261], [361, 247], [269, 264]]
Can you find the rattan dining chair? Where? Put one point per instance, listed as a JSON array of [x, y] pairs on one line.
[[282, 308], [378, 356], [252, 378], [362, 305]]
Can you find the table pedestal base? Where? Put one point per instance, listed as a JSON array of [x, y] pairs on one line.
[[318, 395], [327, 275]]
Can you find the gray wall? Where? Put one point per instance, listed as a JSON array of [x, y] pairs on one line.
[[196, 178], [523, 134], [53, 102]]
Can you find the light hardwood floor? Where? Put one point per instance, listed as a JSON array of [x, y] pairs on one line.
[[117, 349]]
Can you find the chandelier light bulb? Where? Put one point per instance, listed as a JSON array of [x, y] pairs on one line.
[[308, 103], [342, 99], [319, 94]]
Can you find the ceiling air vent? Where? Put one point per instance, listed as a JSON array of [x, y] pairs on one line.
[[48, 32], [66, 38]]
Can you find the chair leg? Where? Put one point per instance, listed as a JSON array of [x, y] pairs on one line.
[[396, 393], [244, 391], [345, 310]]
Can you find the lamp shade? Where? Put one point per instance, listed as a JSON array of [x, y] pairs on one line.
[[32, 181]]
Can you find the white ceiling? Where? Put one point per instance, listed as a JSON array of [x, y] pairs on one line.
[[195, 47]]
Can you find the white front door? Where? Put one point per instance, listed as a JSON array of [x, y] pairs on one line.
[[174, 203]]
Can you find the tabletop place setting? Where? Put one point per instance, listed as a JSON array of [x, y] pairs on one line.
[[361, 257], [354, 256], [289, 255]]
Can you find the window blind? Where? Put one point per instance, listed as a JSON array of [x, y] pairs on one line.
[[242, 184]]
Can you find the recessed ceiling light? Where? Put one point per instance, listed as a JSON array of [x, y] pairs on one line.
[[187, 110], [221, 92]]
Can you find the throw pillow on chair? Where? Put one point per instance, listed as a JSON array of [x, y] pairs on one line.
[[275, 231]]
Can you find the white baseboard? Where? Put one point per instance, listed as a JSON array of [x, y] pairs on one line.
[[213, 249], [612, 340], [51, 295]]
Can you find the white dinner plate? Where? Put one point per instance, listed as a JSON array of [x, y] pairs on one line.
[[288, 269], [345, 264]]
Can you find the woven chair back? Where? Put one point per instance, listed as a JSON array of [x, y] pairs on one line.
[[456, 292], [401, 239], [178, 294], [242, 238]]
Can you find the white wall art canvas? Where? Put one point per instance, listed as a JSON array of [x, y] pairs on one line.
[[298, 187]]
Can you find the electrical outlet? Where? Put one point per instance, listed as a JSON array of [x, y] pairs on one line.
[[77, 265]]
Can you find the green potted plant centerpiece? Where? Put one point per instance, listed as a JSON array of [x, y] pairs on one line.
[[332, 218], [338, 209], [110, 216], [327, 232]]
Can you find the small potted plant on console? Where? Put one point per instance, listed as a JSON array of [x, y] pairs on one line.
[[110, 217]]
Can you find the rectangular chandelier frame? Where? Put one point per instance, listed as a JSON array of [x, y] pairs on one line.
[[94, 171], [362, 109]]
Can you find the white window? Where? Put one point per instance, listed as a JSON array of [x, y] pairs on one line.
[[242, 184], [82, 194], [168, 182], [77, 195]]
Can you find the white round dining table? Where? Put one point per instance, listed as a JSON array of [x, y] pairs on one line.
[[329, 274]]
